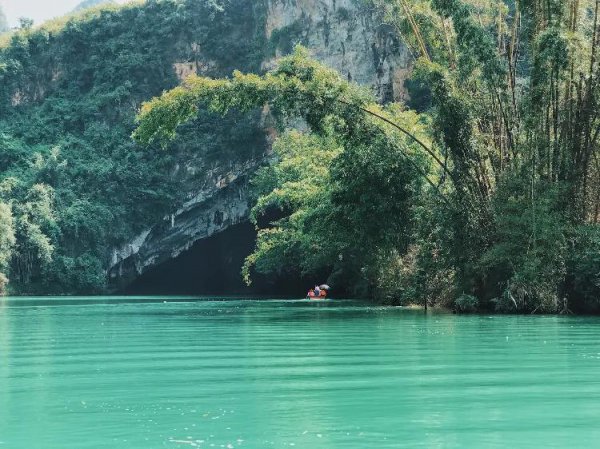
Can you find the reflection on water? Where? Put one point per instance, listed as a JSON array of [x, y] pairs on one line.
[[105, 373]]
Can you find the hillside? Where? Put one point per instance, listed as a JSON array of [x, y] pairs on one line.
[[86, 201], [67, 102]]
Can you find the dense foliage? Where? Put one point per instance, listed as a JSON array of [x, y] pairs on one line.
[[73, 185], [512, 87], [487, 198]]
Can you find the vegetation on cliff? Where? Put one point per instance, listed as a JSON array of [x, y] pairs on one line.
[[73, 185], [486, 199]]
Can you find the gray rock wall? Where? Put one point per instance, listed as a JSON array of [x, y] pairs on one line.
[[347, 36]]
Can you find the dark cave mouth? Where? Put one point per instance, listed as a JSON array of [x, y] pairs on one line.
[[213, 267]]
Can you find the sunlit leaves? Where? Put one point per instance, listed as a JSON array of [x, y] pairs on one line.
[[298, 87]]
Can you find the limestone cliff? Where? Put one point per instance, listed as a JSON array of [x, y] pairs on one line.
[[343, 34]]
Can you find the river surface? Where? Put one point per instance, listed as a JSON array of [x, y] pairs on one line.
[[108, 373]]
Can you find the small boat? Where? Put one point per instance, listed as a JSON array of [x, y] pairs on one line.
[[320, 297]]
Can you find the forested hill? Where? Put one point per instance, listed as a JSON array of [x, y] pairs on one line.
[[70, 176]]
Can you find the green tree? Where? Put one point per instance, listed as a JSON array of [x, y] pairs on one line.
[[35, 230], [7, 242], [511, 87], [25, 23]]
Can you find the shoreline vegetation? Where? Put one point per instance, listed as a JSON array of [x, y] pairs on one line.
[[480, 193]]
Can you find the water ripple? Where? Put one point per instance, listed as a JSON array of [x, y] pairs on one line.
[[139, 373]]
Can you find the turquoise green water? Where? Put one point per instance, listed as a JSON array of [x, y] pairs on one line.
[[275, 374]]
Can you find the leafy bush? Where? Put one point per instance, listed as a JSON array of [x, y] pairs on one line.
[[583, 271], [466, 303]]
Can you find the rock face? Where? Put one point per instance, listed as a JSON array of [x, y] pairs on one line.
[[346, 36], [221, 203], [341, 33]]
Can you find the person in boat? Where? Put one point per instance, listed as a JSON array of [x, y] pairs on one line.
[[317, 293]]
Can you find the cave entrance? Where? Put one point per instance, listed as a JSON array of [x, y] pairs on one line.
[[212, 267]]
